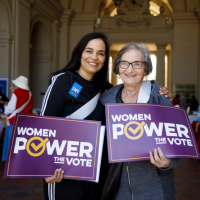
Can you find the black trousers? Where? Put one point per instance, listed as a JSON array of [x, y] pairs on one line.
[[75, 190]]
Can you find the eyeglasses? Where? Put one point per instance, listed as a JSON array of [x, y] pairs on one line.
[[135, 65]]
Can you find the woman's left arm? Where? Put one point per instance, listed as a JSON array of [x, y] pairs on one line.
[[159, 160]]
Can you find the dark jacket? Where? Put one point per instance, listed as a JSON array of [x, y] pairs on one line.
[[146, 180], [58, 102]]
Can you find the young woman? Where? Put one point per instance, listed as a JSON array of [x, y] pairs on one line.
[[88, 68]]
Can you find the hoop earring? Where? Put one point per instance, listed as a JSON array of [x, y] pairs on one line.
[[119, 77]]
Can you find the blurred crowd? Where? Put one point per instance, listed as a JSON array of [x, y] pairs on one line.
[[186, 102]]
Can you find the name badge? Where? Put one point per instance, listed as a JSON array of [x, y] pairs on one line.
[[75, 90]]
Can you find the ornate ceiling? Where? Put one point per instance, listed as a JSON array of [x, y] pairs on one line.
[[154, 7]]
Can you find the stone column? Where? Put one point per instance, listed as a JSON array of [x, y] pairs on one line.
[[64, 37], [197, 14], [81, 25], [185, 56], [22, 37], [56, 41], [170, 67], [6, 41], [114, 79], [160, 67]]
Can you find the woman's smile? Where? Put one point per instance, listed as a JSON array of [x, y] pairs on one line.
[[130, 75], [93, 64]]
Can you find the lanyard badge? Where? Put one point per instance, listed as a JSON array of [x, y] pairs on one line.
[[75, 90]]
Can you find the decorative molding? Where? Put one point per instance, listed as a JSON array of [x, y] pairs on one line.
[[134, 22], [68, 14], [84, 19], [48, 10], [128, 7], [145, 22], [183, 16], [161, 45], [26, 3], [6, 39], [57, 25]]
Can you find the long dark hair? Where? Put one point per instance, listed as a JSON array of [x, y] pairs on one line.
[[100, 78]]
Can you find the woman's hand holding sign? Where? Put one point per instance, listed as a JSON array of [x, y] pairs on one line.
[[57, 177], [159, 159]]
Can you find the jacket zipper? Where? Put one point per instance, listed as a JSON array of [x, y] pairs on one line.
[[129, 181]]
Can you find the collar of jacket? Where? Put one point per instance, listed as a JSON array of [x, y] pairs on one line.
[[110, 95]]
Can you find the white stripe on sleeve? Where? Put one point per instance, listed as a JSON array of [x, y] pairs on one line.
[[47, 94]]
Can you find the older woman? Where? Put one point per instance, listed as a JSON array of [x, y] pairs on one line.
[[154, 178]]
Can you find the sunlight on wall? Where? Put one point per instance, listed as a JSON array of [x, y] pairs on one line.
[[154, 8], [166, 70], [152, 76], [110, 69]]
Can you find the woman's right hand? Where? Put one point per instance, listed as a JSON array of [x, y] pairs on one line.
[[57, 177], [158, 159]]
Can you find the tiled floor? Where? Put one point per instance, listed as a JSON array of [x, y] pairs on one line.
[[187, 181], [29, 189]]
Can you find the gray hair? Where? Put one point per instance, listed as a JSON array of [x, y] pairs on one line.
[[142, 48]]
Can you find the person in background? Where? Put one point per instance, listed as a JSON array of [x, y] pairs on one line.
[[21, 102], [148, 179], [175, 100], [183, 101], [3, 100], [194, 104]]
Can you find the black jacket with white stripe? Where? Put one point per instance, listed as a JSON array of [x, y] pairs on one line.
[[58, 102]]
